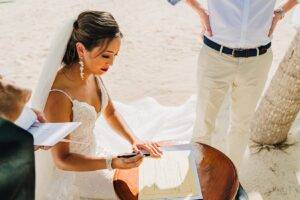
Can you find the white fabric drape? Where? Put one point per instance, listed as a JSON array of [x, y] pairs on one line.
[[43, 160]]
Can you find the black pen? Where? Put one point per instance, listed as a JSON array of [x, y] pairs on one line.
[[132, 155]]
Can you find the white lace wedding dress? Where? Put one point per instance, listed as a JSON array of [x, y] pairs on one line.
[[96, 184], [149, 121]]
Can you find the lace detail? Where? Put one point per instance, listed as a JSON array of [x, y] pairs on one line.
[[64, 185], [86, 114]]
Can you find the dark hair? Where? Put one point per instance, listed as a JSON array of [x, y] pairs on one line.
[[92, 29]]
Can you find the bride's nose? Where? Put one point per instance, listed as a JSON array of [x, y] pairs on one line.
[[110, 62]]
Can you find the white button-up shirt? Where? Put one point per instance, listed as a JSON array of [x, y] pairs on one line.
[[241, 23]]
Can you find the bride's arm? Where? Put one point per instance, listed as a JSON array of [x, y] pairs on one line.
[[59, 109], [115, 120], [119, 125]]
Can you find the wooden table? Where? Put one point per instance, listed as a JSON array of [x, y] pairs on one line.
[[218, 176]]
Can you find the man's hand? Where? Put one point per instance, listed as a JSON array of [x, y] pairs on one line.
[[40, 116], [41, 147], [276, 18], [204, 17]]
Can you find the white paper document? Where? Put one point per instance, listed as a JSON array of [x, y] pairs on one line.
[[173, 176], [44, 134]]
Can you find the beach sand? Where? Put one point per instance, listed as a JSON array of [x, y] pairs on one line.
[[158, 58]]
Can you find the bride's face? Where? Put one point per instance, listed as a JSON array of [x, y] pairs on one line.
[[98, 61]]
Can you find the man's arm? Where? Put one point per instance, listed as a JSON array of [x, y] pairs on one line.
[[280, 12], [196, 6], [289, 5], [204, 16]]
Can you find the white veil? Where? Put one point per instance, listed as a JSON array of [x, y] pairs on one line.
[[43, 160], [52, 65]]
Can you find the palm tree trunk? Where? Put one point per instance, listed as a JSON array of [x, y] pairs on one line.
[[281, 103]]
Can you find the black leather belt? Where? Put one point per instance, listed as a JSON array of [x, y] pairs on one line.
[[237, 52]]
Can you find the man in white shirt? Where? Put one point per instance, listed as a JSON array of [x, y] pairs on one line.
[[236, 56]]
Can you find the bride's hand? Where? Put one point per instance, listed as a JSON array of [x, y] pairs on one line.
[[127, 163], [151, 147]]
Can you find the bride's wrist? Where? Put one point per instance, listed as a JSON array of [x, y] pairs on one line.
[[135, 141], [109, 162]]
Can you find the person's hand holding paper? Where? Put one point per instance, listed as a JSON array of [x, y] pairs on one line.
[[44, 134]]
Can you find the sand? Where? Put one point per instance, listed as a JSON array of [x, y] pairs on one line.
[[158, 59]]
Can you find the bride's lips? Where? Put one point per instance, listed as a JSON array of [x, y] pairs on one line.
[[104, 69]]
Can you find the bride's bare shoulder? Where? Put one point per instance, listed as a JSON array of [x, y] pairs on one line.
[[59, 103], [58, 107]]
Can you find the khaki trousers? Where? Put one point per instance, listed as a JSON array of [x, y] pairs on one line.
[[245, 78]]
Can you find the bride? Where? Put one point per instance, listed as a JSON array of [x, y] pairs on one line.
[[86, 48]]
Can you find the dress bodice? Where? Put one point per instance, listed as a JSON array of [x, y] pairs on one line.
[[68, 185], [83, 136]]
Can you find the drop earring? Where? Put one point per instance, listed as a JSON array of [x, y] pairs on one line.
[[81, 70]]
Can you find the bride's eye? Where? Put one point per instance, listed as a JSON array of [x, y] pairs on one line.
[[105, 56]]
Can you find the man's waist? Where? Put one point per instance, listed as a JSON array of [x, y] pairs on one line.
[[237, 52], [234, 42]]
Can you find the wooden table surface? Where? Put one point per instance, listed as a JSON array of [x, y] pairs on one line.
[[217, 174]]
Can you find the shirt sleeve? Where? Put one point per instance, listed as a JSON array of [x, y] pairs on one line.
[[174, 2]]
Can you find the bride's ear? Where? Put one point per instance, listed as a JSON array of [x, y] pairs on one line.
[[80, 50]]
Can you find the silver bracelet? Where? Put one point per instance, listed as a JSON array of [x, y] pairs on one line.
[[109, 162]]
